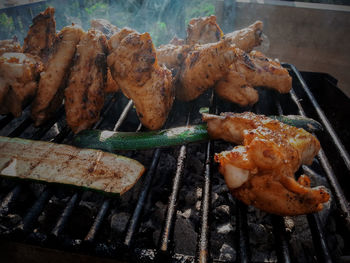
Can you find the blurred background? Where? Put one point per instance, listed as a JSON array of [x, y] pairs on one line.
[[314, 35]]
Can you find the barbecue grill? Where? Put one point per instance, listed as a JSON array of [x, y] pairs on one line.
[[181, 188], [181, 210]]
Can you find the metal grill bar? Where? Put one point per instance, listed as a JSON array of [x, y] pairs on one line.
[[344, 154], [133, 223], [44, 129], [315, 224], [203, 255], [332, 179], [35, 211], [243, 254], [10, 197], [166, 242], [123, 115], [5, 120], [19, 130], [313, 219], [283, 253], [167, 232], [74, 200], [98, 221], [106, 203], [57, 230]]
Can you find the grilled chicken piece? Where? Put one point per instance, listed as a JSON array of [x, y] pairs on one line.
[[104, 26], [262, 71], [53, 80], [203, 67], [177, 41], [261, 173], [84, 95], [18, 81], [109, 30], [111, 85], [10, 45], [134, 67], [116, 39], [235, 88], [203, 30], [41, 34], [251, 70], [246, 38], [172, 56]]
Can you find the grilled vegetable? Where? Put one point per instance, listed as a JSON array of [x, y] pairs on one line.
[[64, 164], [112, 141], [307, 124]]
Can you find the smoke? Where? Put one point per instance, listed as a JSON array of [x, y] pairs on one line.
[[163, 19]]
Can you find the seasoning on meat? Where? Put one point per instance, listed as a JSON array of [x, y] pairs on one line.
[[261, 172], [134, 66], [53, 80], [41, 34], [84, 95], [18, 81]]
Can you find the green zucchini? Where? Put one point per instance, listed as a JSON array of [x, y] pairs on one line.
[[112, 141], [64, 164]]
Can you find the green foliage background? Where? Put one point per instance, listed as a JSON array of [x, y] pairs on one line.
[[163, 19]]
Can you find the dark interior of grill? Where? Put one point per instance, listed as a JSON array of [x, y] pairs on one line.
[[181, 209]]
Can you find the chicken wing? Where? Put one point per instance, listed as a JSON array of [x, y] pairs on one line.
[[251, 70], [84, 95], [53, 80], [104, 26], [134, 67], [171, 55], [235, 88], [246, 38], [203, 30], [18, 81], [261, 173], [41, 34], [177, 41], [203, 67], [262, 71], [10, 45]]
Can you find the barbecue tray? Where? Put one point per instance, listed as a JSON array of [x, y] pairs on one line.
[[35, 215]]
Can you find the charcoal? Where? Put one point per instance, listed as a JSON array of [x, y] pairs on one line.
[[227, 253], [185, 236], [225, 229], [119, 222]]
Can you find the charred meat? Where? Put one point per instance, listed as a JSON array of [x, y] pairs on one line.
[[53, 80], [261, 171], [134, 67], [41, 34], [19, 74], [84, 95]]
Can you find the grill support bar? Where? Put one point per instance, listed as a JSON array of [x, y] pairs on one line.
[[167, 232], [203, 254], [332, 179], [133, 223], [57, 230], [344, 154], [243, 255]]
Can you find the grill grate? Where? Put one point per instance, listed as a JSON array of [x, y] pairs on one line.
[[57, 131]]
